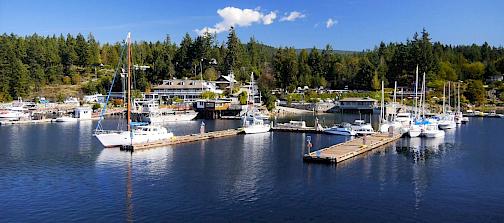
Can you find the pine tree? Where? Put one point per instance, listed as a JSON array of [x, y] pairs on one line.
[[93, 51]]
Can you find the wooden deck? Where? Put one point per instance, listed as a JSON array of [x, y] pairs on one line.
[[346, 150], [184, 139]]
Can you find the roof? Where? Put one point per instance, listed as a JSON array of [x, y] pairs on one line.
[[227, 78], [358, 99], [183, 84]]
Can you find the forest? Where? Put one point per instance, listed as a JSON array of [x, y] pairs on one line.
[[30, 63]]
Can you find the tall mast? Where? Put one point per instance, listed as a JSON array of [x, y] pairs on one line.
[[416, 92], [458, 97], [395, 99], [444, 93], [423, 95], [449, 96], [382, 110], [129, 82]]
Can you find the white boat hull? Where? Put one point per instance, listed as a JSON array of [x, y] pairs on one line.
[[116, 139], [171, 118], [253, 129], [13, 115], [447, 125], [343, 133], [434, 134], [413, 133], [66, 119]]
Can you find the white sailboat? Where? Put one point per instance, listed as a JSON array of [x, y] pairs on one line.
[[415, 130], [447, 120], [253, 123], [136, 132]]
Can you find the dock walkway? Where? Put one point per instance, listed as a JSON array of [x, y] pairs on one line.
[[346, 150], [290, 129], [184, 139]]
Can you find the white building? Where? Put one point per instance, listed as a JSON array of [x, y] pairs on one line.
[[187, 90], [92, 98], [83, 113]]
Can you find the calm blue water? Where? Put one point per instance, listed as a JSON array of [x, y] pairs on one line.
[[59, 173]]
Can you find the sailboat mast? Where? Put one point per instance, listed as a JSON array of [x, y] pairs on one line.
[[129, 83], [458, 97], [423, 95], [395, 99], [416, 92], [449, 96], [444, 93]]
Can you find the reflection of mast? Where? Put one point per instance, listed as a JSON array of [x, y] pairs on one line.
[[129, 193]]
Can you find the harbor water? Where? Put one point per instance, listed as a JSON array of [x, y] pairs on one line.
[[58, 172]]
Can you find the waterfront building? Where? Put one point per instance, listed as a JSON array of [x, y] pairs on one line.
[[360, 104], [185, 89]]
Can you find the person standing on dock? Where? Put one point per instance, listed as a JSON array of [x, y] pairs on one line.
[[364, 140], [202, 128]]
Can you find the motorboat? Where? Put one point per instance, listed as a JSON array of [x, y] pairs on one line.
[[252, 121], [344, 129], [253, 124], [293, 124], [432, 131], [414, 131], [150, 112], [15, 112], [447, 122], [362, 128], [66, 119]]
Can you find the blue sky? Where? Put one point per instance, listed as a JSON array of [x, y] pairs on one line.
[[356, 25]]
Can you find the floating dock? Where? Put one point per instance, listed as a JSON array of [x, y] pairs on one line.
[[352, 148], [183, 139], [301, 130]]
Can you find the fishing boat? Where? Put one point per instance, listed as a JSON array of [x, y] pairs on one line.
[[344, 129], [135, 132], [253, 123]]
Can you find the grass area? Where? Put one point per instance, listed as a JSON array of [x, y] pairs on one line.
[[55, 92]]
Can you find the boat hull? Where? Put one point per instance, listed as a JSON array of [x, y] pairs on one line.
[[257, 129], [171, 118], [343, 133], [116, 139]]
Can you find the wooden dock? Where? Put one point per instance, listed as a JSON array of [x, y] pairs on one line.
[[352, 148], [301, 130], [184, 139]]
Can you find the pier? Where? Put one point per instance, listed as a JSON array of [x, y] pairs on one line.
[[183, 139], [352, 148]]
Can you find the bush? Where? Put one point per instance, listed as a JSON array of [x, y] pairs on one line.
[[243, 96], [96, 107]]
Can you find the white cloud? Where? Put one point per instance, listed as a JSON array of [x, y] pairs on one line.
[[232, 16], [293, 16], [330, 23], [268, 19]]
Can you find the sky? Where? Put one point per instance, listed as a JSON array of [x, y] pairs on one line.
[[344, 24]]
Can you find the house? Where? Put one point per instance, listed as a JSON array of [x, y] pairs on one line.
[[185, 89], [357, 104], [224, 82]]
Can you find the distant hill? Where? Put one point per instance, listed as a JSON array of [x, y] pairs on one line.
[[346, 52]]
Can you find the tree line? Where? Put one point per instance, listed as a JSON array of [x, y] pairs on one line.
[[29, 63]]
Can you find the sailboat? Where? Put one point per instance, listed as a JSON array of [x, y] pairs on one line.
[[458, 114], [252, 122], [447, 120], [136, 132], [415, 129]]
